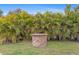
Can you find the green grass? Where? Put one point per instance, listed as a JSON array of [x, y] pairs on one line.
[[52, 48]]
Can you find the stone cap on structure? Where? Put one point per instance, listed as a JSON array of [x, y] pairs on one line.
[[39, 34]]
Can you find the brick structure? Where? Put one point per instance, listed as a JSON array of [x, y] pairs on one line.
[[39, 40]]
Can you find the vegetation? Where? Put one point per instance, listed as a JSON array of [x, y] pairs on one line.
[[53, 48], [18, 25]]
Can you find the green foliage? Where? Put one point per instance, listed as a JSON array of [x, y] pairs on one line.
[[18, 25]]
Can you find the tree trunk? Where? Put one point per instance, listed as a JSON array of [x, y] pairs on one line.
[[78, 37]]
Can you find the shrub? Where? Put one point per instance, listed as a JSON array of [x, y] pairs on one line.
[[19, 25]]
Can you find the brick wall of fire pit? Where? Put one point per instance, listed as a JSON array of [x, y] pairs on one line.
[[39, 40]]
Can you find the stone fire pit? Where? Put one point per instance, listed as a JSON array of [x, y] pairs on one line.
[[39, 40]]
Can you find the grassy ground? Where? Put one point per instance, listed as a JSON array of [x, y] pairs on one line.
[[53, 47]]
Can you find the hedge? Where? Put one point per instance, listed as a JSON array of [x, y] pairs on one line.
[[18, 25]]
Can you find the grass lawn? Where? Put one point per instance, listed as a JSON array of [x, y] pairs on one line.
[[53, 47]]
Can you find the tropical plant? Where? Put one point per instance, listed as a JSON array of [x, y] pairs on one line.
[[18, 25]]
